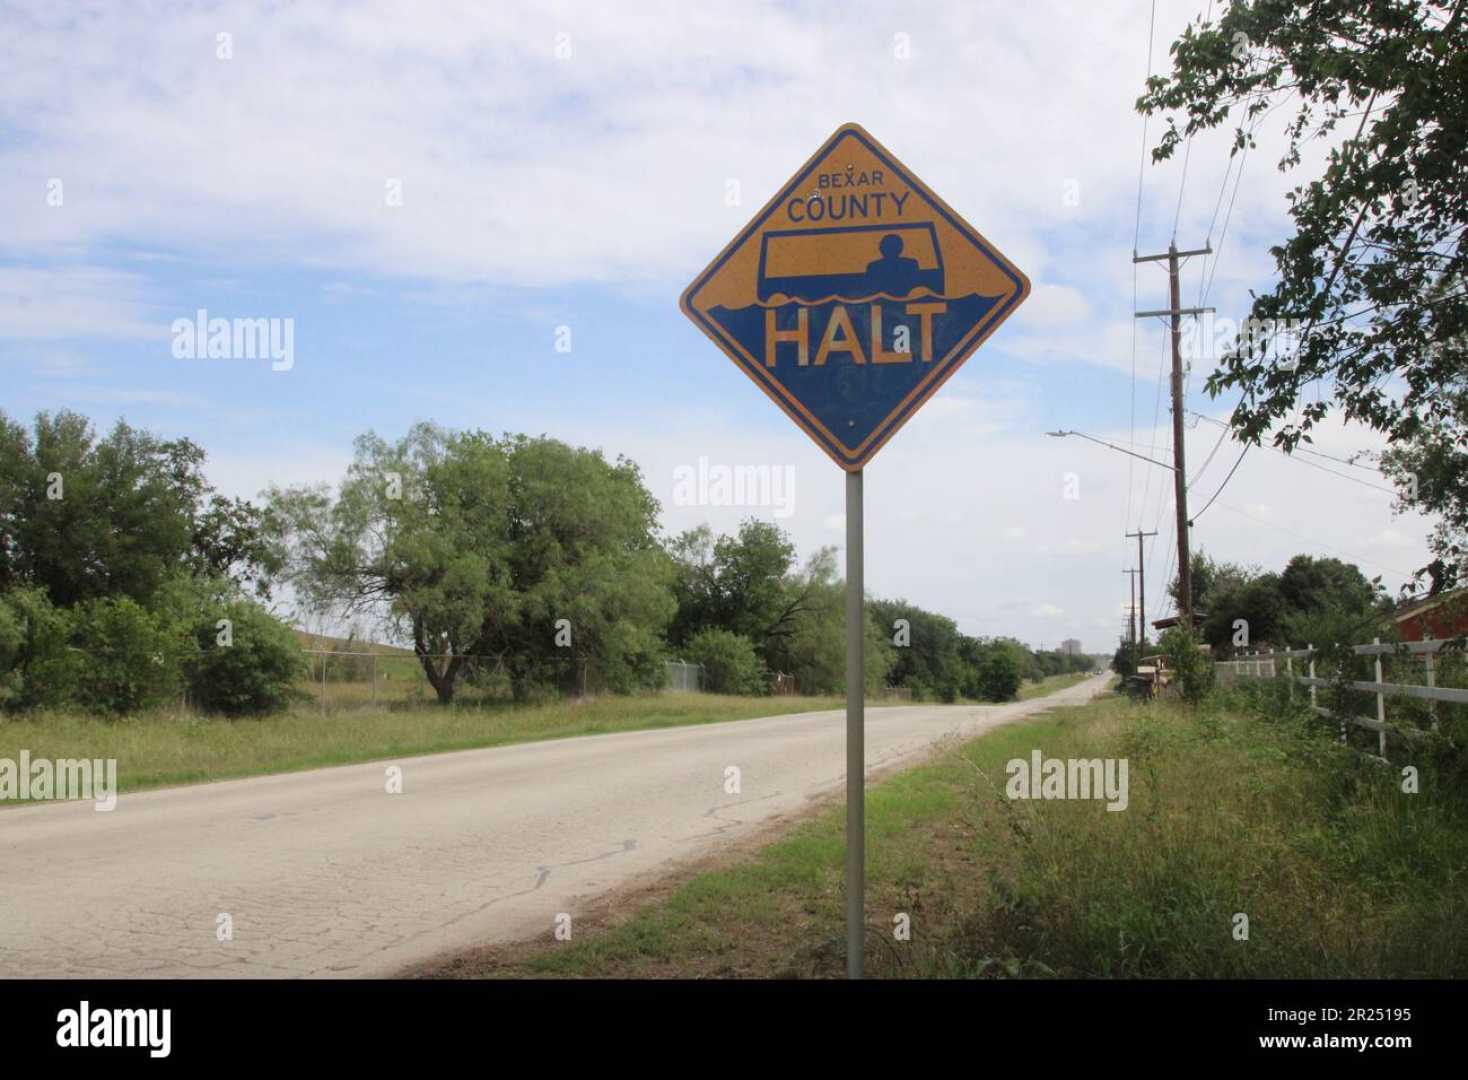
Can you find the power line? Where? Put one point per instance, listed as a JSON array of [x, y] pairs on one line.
[[1343, 476], [1187, 157], [1209, 459], [1303, 450], [1132, 433], [1156, 416], [1329, 284], [1157, 525], [1136, 237], [1243, 154], [1205, 289], [1182, 183], [1237, 462], [1142, 164], [1343, 461]]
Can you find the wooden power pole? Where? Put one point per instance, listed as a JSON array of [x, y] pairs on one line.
[[1132, 609], [1142, 584], [1175, 312]]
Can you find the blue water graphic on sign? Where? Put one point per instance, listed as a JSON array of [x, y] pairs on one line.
[[858, 382]]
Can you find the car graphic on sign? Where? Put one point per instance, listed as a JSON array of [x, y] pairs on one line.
[[894, 260]]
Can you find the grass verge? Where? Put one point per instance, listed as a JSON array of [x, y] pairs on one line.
[[1340, 873], [1050, 684], [161, 749]]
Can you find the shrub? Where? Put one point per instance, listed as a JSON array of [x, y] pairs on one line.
[[921, 689], [36, 666], [730, 663], [633, 659], [1124, 660], [1191, 668], [129, 658], [999, 676], [252, 670]]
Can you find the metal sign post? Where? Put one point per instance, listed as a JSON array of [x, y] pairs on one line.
[[855, 733], [852, 296]]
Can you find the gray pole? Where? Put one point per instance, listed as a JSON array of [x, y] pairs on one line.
[[855, 733]]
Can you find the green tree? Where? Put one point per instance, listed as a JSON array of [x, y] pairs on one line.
[[1253, 608], [38, 667], [878, 653], [1373, 278], [1210, 579], [1308, 583], [813, 645], [466, 545], [745, 583], [999, 676], [929, 664], [1431, 474], [85, 518], [1126, 658]]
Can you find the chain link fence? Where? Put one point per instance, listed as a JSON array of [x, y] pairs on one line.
[[683, 676], [343, 679]]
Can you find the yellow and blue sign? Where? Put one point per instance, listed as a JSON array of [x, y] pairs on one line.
[[853, 295]]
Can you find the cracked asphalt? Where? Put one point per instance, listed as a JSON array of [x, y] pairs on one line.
[[325, 874]]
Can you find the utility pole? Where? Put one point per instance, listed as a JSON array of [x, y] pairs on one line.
[[1175, 311], [1132, 608], [1142, 583]]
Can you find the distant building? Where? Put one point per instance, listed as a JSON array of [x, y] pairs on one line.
[[1441, 616], [1071, 647]]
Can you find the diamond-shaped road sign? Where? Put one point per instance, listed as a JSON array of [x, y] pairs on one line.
[[853, 295]]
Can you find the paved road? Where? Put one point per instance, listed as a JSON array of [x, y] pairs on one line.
[[325, 874]]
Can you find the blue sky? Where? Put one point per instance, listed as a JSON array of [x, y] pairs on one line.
[[569, 166]]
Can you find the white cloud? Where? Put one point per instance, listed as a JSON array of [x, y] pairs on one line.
[[1391, 538], [1057, 305], [74, 302], [518, 168]]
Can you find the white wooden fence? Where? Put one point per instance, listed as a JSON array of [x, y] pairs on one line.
[[1282, 661]]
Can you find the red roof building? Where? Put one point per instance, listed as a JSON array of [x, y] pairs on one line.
[[1443, 616]]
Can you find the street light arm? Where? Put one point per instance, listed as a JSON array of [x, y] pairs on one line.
[[1113, 446]]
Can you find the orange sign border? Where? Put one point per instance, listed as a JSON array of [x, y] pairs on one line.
[[943, 369]]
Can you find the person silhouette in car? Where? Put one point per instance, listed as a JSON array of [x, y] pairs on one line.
[[893, 273]]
